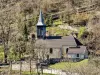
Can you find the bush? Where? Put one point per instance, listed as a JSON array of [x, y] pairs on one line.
[[57, 22], [82, 30]]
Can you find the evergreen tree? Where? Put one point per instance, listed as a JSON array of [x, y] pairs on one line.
[[25, 33], [50, 21], [47, 21]]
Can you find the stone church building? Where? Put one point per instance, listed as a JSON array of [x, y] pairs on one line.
[[59, 47]]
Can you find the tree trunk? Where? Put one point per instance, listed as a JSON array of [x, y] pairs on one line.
[[5, 56], [30, 67], [20, 63], [10, 71], [41, 69], [20, 67], [37, 68], [5, 52]]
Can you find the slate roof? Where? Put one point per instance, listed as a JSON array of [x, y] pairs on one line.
[[41, 20], [80, 50], [59, 42]]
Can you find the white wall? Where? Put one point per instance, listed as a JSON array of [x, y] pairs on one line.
[[56, 53], [81, 56]]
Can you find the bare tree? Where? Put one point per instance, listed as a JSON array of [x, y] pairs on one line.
[[6, 21], [41, 51], [31, 52], [93, 39]]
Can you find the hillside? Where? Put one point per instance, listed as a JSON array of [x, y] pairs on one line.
[[72, 43], [62, 17]]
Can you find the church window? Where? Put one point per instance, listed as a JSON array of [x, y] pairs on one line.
[[51, 50], [66, 50], [77, 55]]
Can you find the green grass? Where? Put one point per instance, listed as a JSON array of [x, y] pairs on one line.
[[1, 56], [57, 22], [10, 54], [81, 31], [1, 53], [67, 65], [58, 31]]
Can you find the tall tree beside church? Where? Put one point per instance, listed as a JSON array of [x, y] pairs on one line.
[[49, 21], [25, 33], [6, 30]]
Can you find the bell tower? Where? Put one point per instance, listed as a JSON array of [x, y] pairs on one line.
[[41, 27]]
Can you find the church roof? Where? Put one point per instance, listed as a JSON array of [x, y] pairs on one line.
[[40, 20], [59, 42], [80, 50]]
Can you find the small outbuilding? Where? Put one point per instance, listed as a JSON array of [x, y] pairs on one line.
[[78, 53]]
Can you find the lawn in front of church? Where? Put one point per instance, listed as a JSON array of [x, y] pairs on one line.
[[69, 65]]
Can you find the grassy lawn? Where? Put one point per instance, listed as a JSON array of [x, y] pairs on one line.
[[69, 65], [58, 31], [57, 22], [1, 53]]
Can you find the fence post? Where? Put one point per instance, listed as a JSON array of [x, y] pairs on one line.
[[10, 68], [20, 67]]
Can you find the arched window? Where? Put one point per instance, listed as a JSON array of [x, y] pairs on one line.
[[66, 50], [77, 55], [51, 50]]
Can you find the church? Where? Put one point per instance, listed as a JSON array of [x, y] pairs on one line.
[[59, 47]]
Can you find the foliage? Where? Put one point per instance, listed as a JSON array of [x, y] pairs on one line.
[[81, 31], [57, 22], [57, 31], [93, 39], [49, 21], [1, 56], [13, 55], [25, 33], [81, 16]]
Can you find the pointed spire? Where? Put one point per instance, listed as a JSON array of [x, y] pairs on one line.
[[41, 17], [40, 20]]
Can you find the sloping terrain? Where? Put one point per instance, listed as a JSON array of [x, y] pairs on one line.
[[74, 13]]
